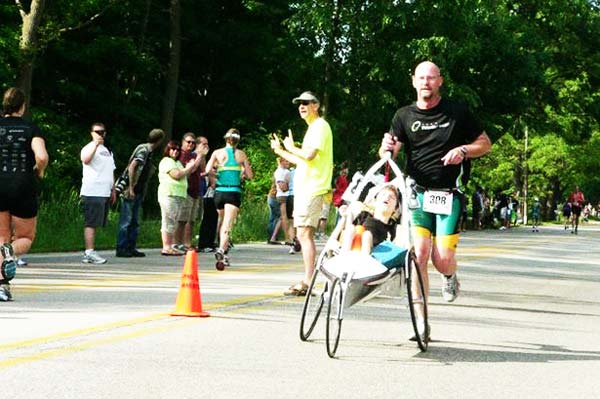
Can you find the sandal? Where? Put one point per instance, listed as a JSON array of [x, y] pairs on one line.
[[171, 253], [299, 289]]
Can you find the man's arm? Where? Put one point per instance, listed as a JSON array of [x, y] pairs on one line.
[[291, 152], [133, 176], [389, 143], [87, 152], [38, 146], [479, 147]]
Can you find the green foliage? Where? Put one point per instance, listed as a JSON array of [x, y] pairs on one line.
[[60, 227], [515, 63]]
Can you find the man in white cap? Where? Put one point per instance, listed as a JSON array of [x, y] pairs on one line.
[[312, 181]]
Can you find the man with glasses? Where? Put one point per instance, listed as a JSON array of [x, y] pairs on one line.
[[96, 189], [438, 137], [312, 180]]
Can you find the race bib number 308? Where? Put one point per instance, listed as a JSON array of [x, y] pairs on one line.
[[439, 202]]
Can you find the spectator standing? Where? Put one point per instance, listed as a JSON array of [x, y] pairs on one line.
[[191, 205], [477, 207], [295, 244], [202, 149], [321, 233], [566, 212], [274, 215], [132, 186], [23, 160], [312, 180], [577, 201], [340, 186], [502, 202], [282, 177], [536, 211], [208, 227], [172, 194], [96, 189], [232, 166], [438, 136]]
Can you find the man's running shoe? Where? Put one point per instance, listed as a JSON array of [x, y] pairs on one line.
[[450, 287], [9, 264], [222, 260], [93, 258], [8, 254], [5, 294], [21, 262]]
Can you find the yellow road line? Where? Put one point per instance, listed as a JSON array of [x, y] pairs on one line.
[[113, 326], [87, 345]]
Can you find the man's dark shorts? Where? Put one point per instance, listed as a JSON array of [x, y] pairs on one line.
[[95, 211], [227, 197], [576, 210], [19, 198]]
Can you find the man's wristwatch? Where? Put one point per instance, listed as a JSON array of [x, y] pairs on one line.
[[464, 150]]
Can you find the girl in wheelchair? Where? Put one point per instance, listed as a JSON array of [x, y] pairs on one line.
[[376, 221]]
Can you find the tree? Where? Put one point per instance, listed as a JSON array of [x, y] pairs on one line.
[[172, 76], [28, 43]]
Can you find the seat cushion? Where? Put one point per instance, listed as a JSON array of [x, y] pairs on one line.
[[389, 254]]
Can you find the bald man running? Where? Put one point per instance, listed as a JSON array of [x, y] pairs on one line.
[[438, 137]]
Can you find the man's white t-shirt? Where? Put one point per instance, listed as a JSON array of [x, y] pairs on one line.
[[282, 175], [97, 178]]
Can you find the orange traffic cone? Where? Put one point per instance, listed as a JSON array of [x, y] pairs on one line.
[[189, 301]]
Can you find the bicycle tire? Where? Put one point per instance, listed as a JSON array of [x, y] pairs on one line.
[[310, 314], [412, 270], [334, 322]]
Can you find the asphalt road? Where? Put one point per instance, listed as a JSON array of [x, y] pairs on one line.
[[527, 325]]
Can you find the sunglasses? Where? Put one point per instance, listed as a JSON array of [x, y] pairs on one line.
[[99, 131], [190, 141], [303, 102], [175, 149]]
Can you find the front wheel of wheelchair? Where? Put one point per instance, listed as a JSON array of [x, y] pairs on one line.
[[417, 301], [313, 304], [334, 317]]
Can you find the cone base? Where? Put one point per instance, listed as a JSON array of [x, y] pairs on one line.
[[191, 314]]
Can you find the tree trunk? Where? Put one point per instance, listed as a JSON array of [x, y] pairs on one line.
[[172, 78], [330, 55], [140, 48], [28, 45]]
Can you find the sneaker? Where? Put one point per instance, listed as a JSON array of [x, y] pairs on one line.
[[93, 257], [180, 247], [292, 251], [137, 254], [7, 252], [450, 287], [5, 294], [21, 262], [222, 260], [9, 264]]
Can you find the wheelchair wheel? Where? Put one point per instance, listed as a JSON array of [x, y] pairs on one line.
[[313, 304], [334, 319], [417, 302]]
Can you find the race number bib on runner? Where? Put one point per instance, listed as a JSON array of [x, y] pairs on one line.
[[439, 202]]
